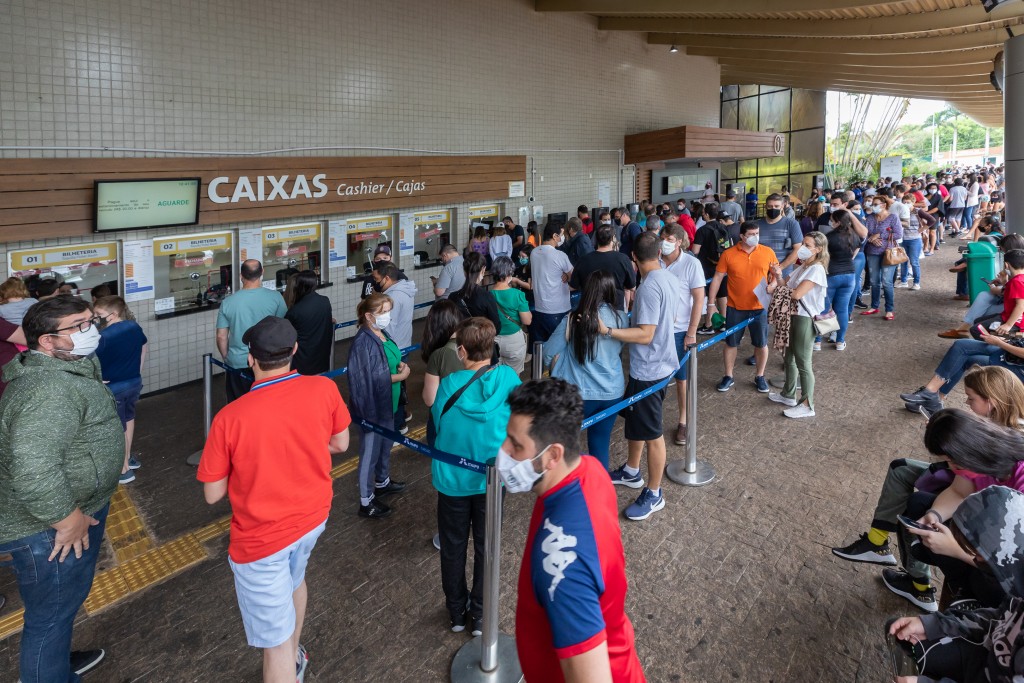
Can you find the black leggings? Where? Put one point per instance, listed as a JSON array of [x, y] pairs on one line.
[[960, 660]]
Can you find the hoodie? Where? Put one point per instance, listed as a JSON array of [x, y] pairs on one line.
[[474, 427], [992, 521], [61, 442], [403, 297]]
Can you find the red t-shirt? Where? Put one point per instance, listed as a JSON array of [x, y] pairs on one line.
[[572, 583], [688, 225], [271, 444], [1013, 291]]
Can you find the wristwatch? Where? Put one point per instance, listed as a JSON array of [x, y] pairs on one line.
[[608, 333]]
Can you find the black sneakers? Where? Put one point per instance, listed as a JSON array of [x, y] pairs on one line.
[[391, 487], [863, 550], [375, 510], [86, 660], [705, 330], [477, 626], [458, 622], [902, 584]]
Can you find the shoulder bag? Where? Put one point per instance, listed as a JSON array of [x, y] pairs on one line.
[[824, 324], [894, 254]]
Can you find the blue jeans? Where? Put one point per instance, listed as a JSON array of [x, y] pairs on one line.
[[839, 297], [52, 592], [599, 436], [881, 280], [544, 324], [858, 273], [962, 355], [968, 217], [913, 249]]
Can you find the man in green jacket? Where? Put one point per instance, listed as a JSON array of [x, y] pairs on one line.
[[61, 451]]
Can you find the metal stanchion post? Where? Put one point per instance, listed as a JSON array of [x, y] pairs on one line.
[[692, 472], [334, 341], [207, 406], [537, 369], [490, 657]]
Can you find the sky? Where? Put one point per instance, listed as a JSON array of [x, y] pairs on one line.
[[839, 104]]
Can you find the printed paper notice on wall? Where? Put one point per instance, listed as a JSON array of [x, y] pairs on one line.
[[138, 270], [336, 244], [517, 188], [165, 305], [406, 235], [250, 244], [604, 193]]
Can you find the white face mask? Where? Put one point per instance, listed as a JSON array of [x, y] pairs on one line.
[[667, 247], [85, 343], [751, 240], [608, 222], [561, 239], [803, 253], [382, 320], [517, 475]]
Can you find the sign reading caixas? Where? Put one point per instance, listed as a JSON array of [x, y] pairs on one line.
[[239, 189]]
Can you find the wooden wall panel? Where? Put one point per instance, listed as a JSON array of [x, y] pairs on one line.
[[697, 143], [47, 198]]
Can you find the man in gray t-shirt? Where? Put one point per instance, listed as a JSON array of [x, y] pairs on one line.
[[652, 360], [452, 277], [779, 233], [732, 207]]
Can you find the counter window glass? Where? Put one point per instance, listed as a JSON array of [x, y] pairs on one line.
[[363, 237], [288, 249], [192, 272], [84, 266], [433, 230]]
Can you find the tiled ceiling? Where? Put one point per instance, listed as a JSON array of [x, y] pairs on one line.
[[931, 49]]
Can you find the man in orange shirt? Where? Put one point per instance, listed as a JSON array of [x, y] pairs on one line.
[[746, 264], [270, 452]]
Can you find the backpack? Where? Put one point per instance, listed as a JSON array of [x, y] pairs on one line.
[[722, 240]]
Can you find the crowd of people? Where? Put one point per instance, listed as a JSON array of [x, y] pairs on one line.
[[647, 283]]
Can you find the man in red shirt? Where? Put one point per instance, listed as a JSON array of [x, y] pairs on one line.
[[571, 622], [270, 452]]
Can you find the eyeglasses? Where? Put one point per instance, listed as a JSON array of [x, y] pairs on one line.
[[83, 326]]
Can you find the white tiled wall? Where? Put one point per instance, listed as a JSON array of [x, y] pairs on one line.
[[233, 76]]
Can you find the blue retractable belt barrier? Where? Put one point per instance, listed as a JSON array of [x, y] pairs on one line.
[[424, 449], [625, 403], [350, 323], [333, 373]]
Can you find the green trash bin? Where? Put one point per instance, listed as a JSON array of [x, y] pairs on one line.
[[982, 264]]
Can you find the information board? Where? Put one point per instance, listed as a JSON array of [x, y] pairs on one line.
[[128, 204]]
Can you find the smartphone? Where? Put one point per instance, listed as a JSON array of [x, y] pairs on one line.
[[987, 282], [913, 524], [901, 655], [927, 415], [982, 330]]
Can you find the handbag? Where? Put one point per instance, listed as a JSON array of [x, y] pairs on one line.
[[894, 255], [824, 324], [1009, 358]]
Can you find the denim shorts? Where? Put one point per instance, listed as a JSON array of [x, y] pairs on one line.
[[683, 371], [126, 395], [758, 328], [264, 589]]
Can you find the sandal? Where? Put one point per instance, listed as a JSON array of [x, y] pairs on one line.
[[890, 316], [870, 311]]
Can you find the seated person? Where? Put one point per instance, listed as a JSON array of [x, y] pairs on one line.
[[987, 303], [968, 645], [980, 453]]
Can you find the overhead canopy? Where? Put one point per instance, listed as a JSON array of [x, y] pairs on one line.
[[930, 49]]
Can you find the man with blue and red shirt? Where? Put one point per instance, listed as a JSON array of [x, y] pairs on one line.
[[571, 622]]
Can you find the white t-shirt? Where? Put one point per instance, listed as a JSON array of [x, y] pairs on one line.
[[500, 246], [814, 300], [550, 294], [972, 194], [902, 212], [691, 276]]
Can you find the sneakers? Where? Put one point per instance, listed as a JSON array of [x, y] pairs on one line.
[[916, 287], [705, 330], [832, 336], [458, 622], [802, 410], [133, 464], [863, 550], [127, 478], [645, 506], [391, 487], [761, 384], [726, 383], [680, 435], [817, 346], [752, 360], [437, 541], [922, 398], [621, 478], [476, 626], [86, 660], [375, 510], [901, 285], [301, 662], [404, 430], [779, 398], [859, 304], [840, 346], [902, 585]]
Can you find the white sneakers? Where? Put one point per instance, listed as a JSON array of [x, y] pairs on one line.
[[840, 346], [779, 398], [802, 410]]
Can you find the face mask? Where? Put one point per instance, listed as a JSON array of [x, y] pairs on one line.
[[773, 213], [517, 475], [561, 240], [931, 190], [606, 222], [667, 247], [85, 343], [751, 240], [803, 253], [523, 261], [377, 288], [382, 320]]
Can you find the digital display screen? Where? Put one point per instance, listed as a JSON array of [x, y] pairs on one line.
[[129, 204]]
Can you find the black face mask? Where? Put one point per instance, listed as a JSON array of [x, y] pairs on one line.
[[377, 287], [773, 213]]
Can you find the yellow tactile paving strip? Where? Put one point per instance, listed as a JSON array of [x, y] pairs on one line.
[[140, 563]]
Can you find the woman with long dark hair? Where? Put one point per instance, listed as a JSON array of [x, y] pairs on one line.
[[473, 299], [439, 352], [310, 315], [843, 250], [579, 354]]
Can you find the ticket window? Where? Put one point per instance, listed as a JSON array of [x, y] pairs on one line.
[[363, 237], [192, 272], [288, 249], [432, 230], [85, 266], [485, 216]]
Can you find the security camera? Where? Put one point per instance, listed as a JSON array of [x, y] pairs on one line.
[[530, 199]]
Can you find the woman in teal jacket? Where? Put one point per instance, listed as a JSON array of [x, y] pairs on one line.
[[472, 425]]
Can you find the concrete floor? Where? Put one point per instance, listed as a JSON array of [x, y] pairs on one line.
[[730, 582]]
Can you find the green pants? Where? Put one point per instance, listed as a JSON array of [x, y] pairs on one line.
[[798, 359]]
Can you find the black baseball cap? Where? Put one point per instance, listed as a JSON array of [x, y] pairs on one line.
[[270, 337], [382, 249]]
